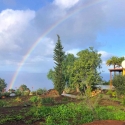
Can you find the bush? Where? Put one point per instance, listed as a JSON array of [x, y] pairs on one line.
[[34, 92], [47, 100], [35, 100], [18, 93], [41, 91], [2, 103], [7, 94], [111, 93], [25, 93], [119, 84]]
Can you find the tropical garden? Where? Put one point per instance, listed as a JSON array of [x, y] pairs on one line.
[[72, 75]]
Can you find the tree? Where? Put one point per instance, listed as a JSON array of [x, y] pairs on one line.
[[23, 88], [2, 84], [115, 61], [58, 57], [85, 69]]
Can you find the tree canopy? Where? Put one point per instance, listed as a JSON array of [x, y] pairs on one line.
[[3, 85], [23, 88], [85, 70], [115, 61]]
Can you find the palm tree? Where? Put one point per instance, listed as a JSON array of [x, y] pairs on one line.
[[115, 61]]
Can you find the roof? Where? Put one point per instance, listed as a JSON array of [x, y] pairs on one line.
[[117, 69]]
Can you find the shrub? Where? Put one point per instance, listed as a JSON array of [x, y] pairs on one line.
[[34, 92], [18, 93], [111, 93], [119, 84], [7, 94], [25, 93], [35, 100], [2, 103], [123, 101], [41, 91], [47, 100]]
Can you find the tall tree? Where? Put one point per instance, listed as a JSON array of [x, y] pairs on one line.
[[85, 71], [59, 82], [2, 84]]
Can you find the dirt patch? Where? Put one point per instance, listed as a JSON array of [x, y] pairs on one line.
[[52, 92], [106, 122]]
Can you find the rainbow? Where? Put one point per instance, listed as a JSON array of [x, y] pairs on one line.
[[80, 8]]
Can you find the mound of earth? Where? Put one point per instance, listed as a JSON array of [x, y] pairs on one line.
[[106, 122], [52, 92]]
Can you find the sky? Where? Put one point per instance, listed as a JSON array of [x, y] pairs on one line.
[[28, 34]]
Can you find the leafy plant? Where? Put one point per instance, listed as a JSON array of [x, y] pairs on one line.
[[119, 84], [123, 101], [35, 100], [41, 91], [18, 93], [3, 103], [47, 100]]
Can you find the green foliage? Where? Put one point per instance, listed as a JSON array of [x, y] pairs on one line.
[[106, 83], [7, 94], [69, 60], [26, 93], [65, 114], [23, 88], [2, 84], [85, 69], [34, 92], [119, 84], [115, 61], [123, 101], [36, 100], [70, 114], [18, 92], [47, 100], [111, 93], [3, 103], [59, 82], [11, 90], [51, 75], [41, 91]]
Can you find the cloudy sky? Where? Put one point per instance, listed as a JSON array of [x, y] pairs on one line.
[[33, 25]]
